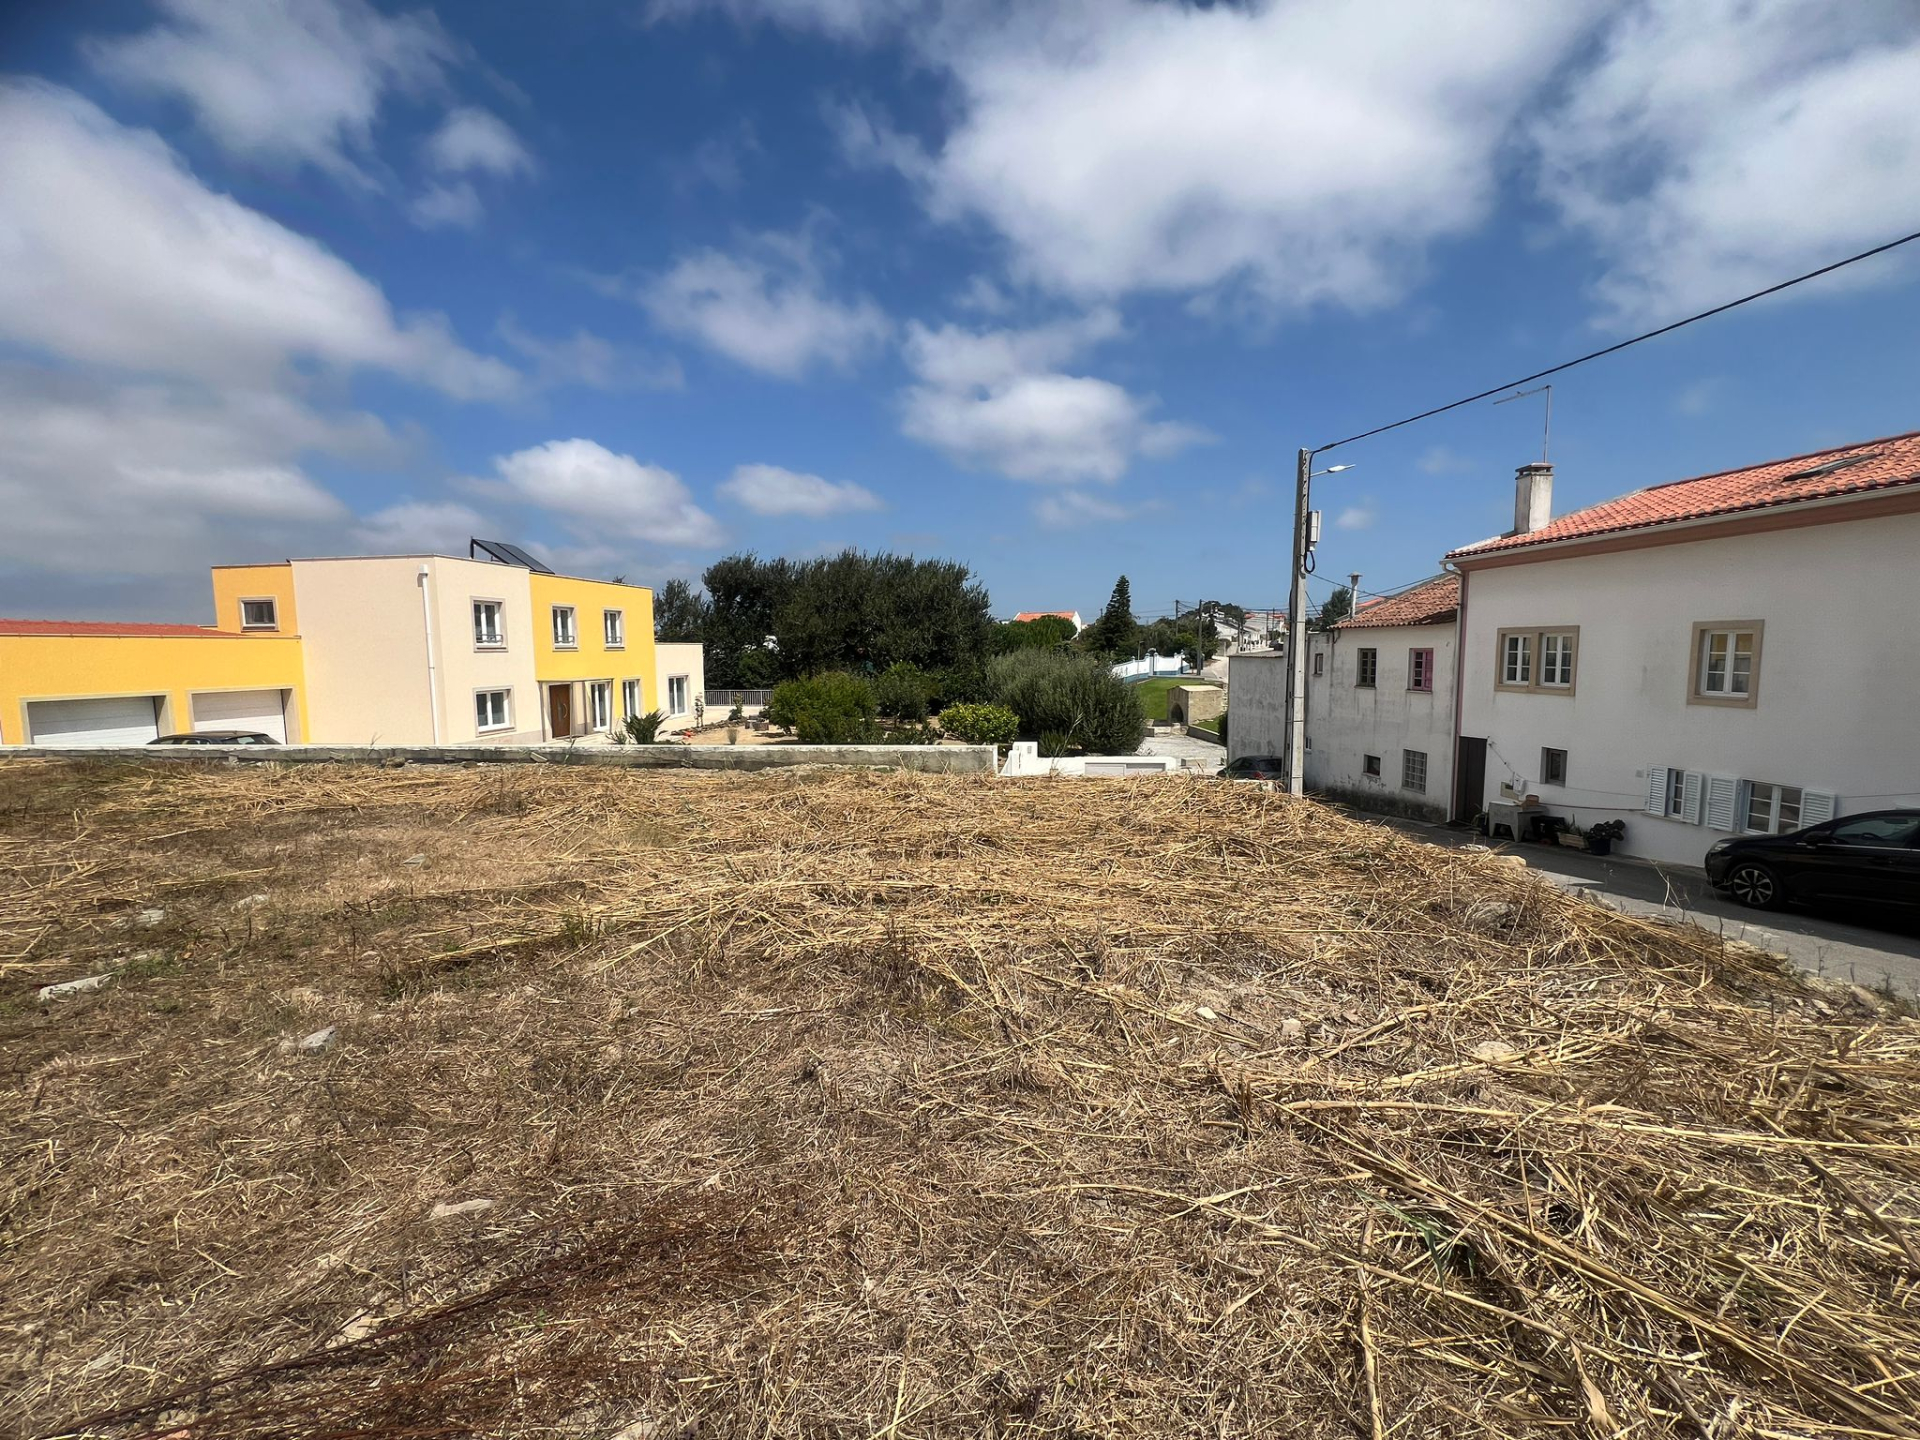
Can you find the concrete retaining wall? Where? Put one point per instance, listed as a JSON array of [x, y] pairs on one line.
[[928, 759]]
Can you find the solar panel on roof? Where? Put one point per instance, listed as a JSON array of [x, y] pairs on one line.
[[509, 554]]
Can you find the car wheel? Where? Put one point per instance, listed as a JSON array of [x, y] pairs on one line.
[[1754, 885]]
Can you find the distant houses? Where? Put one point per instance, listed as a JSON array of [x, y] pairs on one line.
[[1069, 615], [1734, 653]]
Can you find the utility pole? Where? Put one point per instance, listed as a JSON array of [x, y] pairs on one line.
[[1297, 632]]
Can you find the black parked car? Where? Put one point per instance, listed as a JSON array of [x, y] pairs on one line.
[[1873, 857], [218, 737], [1255, 767]]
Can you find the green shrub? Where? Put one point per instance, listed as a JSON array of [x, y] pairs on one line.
[[1054, 744], [981, 724], [917, 733], [831, 709], [1077, 697], [904, 692], [639, 729]]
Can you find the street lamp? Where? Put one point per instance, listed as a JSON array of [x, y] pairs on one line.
[[1297, 621]]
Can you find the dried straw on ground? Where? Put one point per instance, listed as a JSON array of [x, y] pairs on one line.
[[864, 1105]]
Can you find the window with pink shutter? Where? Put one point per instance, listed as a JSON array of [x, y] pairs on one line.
[[1420, 670]]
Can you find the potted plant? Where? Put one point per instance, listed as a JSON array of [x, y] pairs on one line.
[[1600, 837]]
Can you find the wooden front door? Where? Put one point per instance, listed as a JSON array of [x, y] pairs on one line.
[[560, 710]]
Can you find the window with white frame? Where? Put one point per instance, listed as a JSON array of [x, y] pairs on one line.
[[1516, 660], [629, 697], [1420, 670], [1556, 660], [600, 704], [259, 615], [677, 695], [487, 629], [565, 637], [1726, 662], [1772, 809], [614, 625], [1413, 770], [493, 710], [1368, 663], [1538, 660], [1676, 794]]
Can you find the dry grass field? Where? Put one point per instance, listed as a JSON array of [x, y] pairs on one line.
[[878, 1106]]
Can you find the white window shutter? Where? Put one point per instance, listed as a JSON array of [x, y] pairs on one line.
[[1690, 787], [1816, 807], [1742, 797], [1656, 790], [1723, 791]]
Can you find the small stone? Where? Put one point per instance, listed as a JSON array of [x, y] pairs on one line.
[[1866, 999], [72, 987], [1294, 1032], [414, 860], [318, 1040], [1494, 1052], [150, 918], [250, 902], [444, 1211], [357, 1329], [1205, 1013]]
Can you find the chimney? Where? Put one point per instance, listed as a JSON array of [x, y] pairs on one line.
[[1532, 497]]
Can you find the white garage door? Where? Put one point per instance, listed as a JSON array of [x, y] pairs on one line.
[[242, 710], [124, 720]]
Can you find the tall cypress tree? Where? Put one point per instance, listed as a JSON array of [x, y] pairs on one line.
[[1113, 633]]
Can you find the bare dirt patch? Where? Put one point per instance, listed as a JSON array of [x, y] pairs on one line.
[[851, 1104]]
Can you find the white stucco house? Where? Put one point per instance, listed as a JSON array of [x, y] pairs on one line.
[[1380, 687], [1732, 653]]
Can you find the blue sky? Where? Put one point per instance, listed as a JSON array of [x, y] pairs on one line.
[[1055, 291]]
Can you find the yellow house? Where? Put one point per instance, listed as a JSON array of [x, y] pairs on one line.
[[349, 650], [593, 654], [92, 683]]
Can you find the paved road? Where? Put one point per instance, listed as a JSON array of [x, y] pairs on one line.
[[1192, 753], [1865, 944]]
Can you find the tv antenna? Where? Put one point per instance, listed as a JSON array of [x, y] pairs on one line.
[[1546, 428]]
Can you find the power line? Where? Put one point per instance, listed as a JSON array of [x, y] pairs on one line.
[[1622, 345]]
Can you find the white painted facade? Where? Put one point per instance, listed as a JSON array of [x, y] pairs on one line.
[[1835, 706], [1406, 731]]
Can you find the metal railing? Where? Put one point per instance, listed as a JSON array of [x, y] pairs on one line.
[[719, 702]]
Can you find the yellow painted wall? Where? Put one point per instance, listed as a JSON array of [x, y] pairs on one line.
[[592, 660], [234, 583], [74, 667]]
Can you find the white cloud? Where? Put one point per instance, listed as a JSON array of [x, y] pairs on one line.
[[1720, 145], [283, 82], [766, 308], [770, 490], [1307, 151], [1357, 517], [843, 19], [995, 400], [416, 527], [1070, 509], [111, 252], [597, 492], [443, 205], [475, 141], [152, 479], [584, 358]]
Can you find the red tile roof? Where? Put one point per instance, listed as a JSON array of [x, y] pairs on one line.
[[1428, 603], [98, 627], [1036, 614], [1865, 466]]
